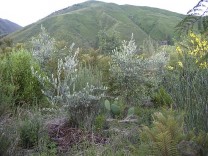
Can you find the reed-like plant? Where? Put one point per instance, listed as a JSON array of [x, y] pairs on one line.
[[187, 82]]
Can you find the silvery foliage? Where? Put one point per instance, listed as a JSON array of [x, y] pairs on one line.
[[134, 71], [60, 87], [43, 47], [55, 87]]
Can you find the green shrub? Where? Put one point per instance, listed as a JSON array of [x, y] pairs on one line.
[[164, 135], [100, 123], [77, 88], [6, 95], [133, 76], [162, 98], [17, 82], [29, 132], [4, 145], [46, 145], [145, 115]]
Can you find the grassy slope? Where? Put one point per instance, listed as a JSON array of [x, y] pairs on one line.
[[80, 23]]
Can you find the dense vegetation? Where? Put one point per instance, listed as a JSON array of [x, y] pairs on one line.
[[132, 100]]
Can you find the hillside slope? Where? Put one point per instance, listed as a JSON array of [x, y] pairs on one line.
[[7, 27], [81, 23]]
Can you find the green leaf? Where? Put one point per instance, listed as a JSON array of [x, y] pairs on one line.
[[115, 109], [107, 105], [130, 111]]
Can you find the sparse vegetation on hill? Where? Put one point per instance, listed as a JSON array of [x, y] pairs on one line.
[[81, 23]]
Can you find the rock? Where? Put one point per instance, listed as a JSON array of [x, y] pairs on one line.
[[189, 148], [147, 103], [129, 119]]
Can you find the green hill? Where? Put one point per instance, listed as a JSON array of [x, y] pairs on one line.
[[81, 23], [7, 27]]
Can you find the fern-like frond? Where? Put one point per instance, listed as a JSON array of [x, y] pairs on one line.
[[162, 138], [166, 144], [197, 15]]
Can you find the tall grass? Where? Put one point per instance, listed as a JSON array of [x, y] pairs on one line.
[[189, 91], [187, 83]]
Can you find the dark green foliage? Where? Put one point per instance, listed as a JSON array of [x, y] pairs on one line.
[[108, 41], [145, 115], [4, 145], [162, 98], [115, 109], [29, 132], [6, 45], [7, 88], [46, 145], [100, 123]]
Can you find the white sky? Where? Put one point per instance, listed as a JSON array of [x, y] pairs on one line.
[[24, 12]]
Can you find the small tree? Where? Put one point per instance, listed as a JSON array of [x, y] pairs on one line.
[[135, 76], [108, 41], [43, 47]]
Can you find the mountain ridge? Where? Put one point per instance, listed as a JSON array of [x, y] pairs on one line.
[[80, 23], [7, 26]]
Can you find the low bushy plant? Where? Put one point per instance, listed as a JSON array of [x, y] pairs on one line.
[[162, 99], [164, 135], [4, 144], [46, 146], [17, 82], [29, 132], [135, 77], [100, 123], [145, 115], [77, 88]]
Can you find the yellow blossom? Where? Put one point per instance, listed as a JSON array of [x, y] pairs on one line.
[[178, 49], [169, 67], [180, 64], [203, 65], [198, 49]]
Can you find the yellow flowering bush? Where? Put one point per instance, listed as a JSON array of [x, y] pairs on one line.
[[196, 48]]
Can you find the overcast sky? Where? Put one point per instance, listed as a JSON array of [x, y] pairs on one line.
[[24, 12]]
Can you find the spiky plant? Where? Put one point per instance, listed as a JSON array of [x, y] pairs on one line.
[[162, 138]]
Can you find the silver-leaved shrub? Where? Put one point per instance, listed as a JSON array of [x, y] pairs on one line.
[[63, 87], [136, 75]]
